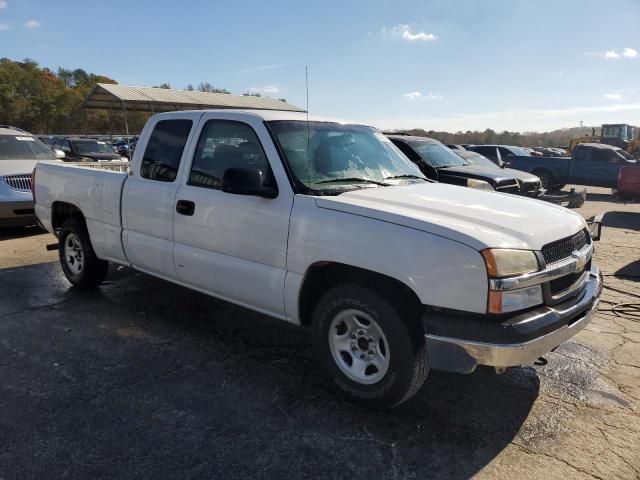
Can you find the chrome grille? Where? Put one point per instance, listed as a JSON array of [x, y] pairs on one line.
[[561, 249], [20, 182], [569, 283]]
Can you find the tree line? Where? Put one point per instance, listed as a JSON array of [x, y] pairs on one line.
[[555, 138]]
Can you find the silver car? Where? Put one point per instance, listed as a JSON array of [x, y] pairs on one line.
[[19, 153]]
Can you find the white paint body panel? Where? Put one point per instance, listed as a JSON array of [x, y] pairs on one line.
[[255, 251], [477, 218], [95, 192]]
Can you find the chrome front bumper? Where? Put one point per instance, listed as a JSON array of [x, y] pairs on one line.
[[463, 355]]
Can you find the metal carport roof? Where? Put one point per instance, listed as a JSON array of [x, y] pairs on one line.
[[150, 99]]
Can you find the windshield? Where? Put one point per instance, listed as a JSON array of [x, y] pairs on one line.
[[84, 147], [341, 156], [437, 155], [23, 147]]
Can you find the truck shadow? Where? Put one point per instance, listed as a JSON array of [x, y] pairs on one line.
[[625, 220], [8, 233], [630, 271], [198, 383]]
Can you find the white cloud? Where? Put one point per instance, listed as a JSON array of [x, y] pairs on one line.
[[32, 24], [611, 54], [267, 89], [404, 32], [421, 96], [3, 4], [4, 26], [612, 96], [630, 53]]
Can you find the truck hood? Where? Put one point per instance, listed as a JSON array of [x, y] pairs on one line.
[[16, 167], [481, 173], [479, 219], [522, 176], [101, 156]]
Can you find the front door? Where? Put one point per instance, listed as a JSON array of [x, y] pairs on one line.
[[233, 246]]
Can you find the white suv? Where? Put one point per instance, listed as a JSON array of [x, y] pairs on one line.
[[19, 153]]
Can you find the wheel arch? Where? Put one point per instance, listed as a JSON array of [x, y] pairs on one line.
[[321, 276], [62, 211]]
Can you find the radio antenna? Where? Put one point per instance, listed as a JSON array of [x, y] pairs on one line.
[[306, 78]]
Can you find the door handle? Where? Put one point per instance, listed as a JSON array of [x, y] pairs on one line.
[[185, 207]]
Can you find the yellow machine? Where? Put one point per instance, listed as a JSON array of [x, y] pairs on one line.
[[616, 134]]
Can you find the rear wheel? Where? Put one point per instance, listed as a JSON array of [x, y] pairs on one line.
[[77, 258], [365, 348]]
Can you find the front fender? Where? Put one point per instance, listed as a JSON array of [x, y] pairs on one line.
[[440, 271]]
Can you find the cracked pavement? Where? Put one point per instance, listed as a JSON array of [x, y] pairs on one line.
[[145, 379]]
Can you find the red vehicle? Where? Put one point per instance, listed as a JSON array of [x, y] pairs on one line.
[[629, 182]]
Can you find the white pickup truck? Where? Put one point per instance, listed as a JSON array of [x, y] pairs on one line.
[[328, 225]]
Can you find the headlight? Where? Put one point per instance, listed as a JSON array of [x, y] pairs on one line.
[[479, 184], [513, 300], [504, 262]]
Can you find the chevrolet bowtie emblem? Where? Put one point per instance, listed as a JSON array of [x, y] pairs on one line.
[[581, 261]]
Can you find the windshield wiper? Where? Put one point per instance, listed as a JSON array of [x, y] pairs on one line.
[[353, 179], [406, 176]]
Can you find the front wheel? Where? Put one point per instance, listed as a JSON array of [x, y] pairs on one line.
[[79, 262], [546, 180], [366, 349]]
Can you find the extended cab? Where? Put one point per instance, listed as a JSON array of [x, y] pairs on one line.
[[327, 225], [592, 164]]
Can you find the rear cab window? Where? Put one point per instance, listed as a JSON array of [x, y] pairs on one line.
[[164, 150]]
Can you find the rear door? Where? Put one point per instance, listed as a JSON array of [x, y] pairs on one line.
[[229, 245], [148, 199]]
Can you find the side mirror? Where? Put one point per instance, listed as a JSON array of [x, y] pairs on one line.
[[59, 153], [246, 181], [506, 164]]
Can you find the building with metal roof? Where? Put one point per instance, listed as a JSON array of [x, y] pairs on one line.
[[151, 99], [127, 98]]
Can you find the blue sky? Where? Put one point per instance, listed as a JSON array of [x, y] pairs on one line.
[[436, 64]]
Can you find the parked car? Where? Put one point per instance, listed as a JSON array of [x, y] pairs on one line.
[[530, 185], [439, 163], [629, 183], [327, 225], [592, 164], [78, 149], [19, 153]]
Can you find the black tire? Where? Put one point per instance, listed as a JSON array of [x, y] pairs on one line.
[[406, 348], [84, 270], [546, 179]]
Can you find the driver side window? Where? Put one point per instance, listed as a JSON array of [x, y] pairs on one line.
[[225, 144]]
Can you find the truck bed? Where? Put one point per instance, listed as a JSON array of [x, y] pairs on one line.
[[96, 192]]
